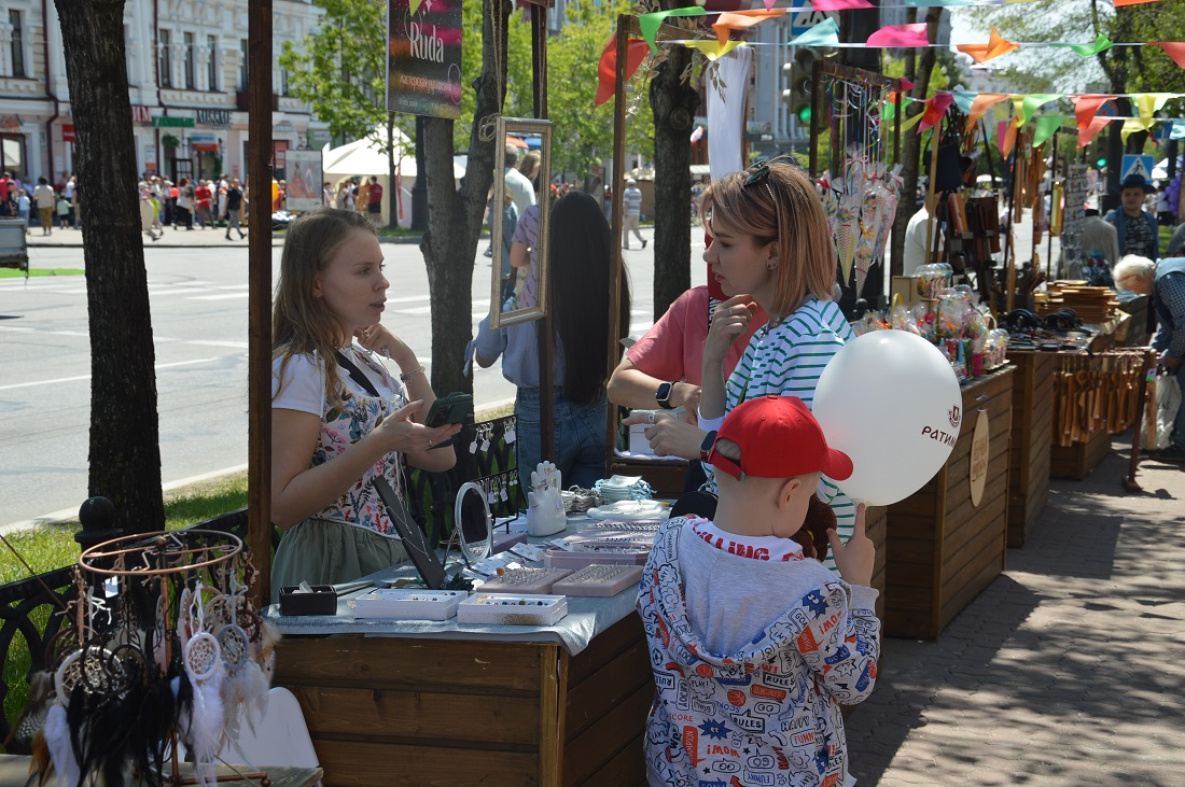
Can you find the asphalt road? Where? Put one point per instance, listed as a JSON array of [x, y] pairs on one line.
[[198, 297]]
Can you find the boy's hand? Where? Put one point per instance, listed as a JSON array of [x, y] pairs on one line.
[[856, 558]]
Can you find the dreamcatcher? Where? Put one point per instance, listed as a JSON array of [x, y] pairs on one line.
[[860, 191], [163, 646]]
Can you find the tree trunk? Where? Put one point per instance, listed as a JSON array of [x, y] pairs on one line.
[[124, 436], [454, 218], [673, 102], [911, 141]]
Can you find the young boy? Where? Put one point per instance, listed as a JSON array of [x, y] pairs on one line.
[[753, 645]]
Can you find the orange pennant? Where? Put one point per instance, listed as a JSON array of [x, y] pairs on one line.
[[981, 104], [739, 20], [1006, 137], [997, 45], [1086, 111]]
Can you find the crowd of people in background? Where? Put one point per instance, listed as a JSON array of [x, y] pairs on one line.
[[205, 203], [47, 204]]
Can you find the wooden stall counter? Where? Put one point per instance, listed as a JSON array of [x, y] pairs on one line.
[[949, 538], [1032, 441]]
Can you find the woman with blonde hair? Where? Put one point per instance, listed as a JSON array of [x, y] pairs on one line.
[[339, 418], [771, 247]]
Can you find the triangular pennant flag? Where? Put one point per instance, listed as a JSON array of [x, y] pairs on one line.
[[840, 5], [607, 70], [1147, 104], [1121, 3], [1178, 129], [1174, 49], [981, 104], [935, 108], [739, 20], [1046, 126], [1006, 136], [909, 123], [649, 23], [997, 45], [1028, 104], [1101, 44], [826, 33], [900, 37], [964, 100], [1086, 107], [1131, 126], [713, 49]]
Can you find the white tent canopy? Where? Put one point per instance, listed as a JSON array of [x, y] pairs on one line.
[[366, 157]]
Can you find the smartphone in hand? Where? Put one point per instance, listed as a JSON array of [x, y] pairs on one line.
[[456, 408]]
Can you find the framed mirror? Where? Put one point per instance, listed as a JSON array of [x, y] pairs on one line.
[[473, 523], [522, 175]]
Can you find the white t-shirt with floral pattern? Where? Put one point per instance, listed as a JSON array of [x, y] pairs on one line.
[[303, 389]]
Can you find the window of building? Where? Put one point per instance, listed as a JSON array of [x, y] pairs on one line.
[[212, 66], [166, 73], [12, 153], [284, 82], [18, 44], [190, 72], [243, 62]]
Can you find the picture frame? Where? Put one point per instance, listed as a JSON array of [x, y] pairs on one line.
[[518, 297]]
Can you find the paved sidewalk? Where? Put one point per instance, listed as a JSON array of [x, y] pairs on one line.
[[1068, 670], [182, 238]]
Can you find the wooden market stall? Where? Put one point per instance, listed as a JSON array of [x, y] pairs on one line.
[[949, 538], [1032, 441]]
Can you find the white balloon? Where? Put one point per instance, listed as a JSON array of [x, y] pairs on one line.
[[890, 401]]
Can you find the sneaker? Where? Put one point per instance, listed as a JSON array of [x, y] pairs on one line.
[[644, 244], [1171, 454]]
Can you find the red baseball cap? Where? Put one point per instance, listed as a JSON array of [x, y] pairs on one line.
[[778, 438]]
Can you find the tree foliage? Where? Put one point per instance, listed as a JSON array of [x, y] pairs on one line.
[[340, 70]]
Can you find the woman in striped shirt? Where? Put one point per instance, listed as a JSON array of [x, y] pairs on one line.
[[771, 247]]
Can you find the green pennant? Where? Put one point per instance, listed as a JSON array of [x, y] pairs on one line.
[[651, 22], [1046, 126], [1101, 44]]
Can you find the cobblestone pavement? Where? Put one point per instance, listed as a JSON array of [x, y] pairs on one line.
[[1068, 670]]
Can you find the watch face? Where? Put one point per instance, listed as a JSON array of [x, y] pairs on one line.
[[663, 397], [706, 445]]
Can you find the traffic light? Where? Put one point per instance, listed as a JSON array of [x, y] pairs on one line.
[[797, 94]]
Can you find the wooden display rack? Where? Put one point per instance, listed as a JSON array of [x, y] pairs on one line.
[[945, 550], [1032, 441], [1076, 461], [412, 711]]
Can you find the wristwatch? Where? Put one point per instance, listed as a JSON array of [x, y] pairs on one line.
[[663, 397], [705, 447]]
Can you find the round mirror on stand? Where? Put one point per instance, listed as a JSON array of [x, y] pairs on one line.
[[472, 522]]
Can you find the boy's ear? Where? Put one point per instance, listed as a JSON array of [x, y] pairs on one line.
[[786, 491]]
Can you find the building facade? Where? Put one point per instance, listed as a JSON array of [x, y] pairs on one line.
[[187, 83]]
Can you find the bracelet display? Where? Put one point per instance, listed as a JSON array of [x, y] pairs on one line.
[[405, 376]]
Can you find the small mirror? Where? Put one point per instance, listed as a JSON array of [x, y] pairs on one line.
[[473, 522], [522, 171]]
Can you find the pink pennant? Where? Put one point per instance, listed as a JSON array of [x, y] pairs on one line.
[[840, 5], [1175, 50], [900, 36], [935, 108], [1006, 137]]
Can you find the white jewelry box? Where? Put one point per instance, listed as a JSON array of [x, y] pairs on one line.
[[407, 604]]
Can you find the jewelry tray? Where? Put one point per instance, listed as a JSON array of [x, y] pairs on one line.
[[599, 580], [406, 604], [525, 580], [506, 609], [562, 558]]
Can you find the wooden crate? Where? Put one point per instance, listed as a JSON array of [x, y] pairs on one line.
[[1076, 461], [944, 550], [1032, 441], [409, 711]]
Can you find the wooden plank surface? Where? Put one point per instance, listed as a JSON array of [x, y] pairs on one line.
[[350, 763], [594, 747], [626, 768], [594, 697]]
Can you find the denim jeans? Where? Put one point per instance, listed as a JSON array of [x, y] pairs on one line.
[[579, 432]]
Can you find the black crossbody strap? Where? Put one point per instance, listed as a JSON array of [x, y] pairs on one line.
[[356, 374]]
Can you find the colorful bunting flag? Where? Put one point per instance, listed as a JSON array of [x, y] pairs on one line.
[[964, 100], [713, 49], [840, 5], [1101, 44], [981, 104], [1149, 103], [825, 34], [1174, 49], [935, 109], [900, 37], [1028, 104], [739, 20], [649, 23], [607, 70], [997, 45], [1046, 126], [1090, 122], [1006, 136], [1121, 3]]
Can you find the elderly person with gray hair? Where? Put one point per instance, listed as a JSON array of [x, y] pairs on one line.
[[1165, 282]]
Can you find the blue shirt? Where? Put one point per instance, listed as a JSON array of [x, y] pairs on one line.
[[519, 347]]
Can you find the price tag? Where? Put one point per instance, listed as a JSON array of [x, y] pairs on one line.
[[528, 551]]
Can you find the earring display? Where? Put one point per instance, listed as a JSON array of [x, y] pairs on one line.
[[512, 610], [408, 604], [162, 645], [599, 580], [525, 580]]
